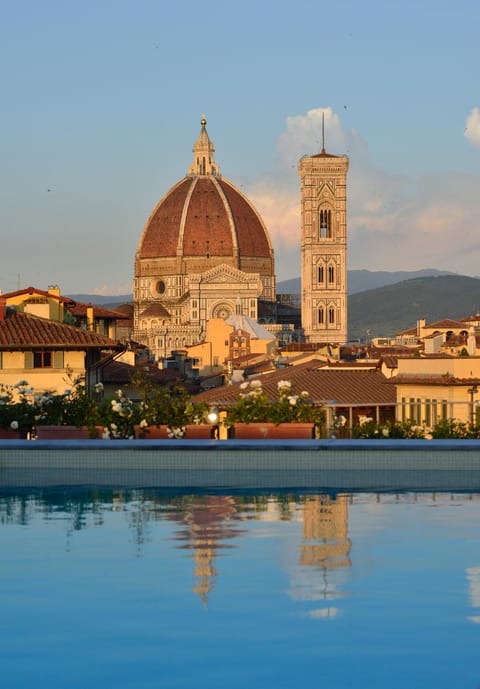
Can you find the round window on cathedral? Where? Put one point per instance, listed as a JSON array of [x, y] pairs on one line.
[[222, 311], [161, 287]]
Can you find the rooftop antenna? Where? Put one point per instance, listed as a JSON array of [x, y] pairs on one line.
[[323, 132]]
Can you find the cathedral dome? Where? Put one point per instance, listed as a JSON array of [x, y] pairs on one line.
[[204, 254], [206, 216]]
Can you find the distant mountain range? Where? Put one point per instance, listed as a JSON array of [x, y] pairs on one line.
[[381, 303], [362, 280], [389, 309], [358, 281]]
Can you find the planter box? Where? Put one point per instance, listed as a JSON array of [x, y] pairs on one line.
[[151, 433], [9, 434], [199, 431], [65, 433], [270, 430], [202, 431]]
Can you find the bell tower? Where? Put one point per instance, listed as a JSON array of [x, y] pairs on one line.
[[323, 178]]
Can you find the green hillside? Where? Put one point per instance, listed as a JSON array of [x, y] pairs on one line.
[[386, 310]]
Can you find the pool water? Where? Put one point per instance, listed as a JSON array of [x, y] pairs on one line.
[[144, 588]]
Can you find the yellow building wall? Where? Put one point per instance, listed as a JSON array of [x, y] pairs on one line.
[[216, 346], [428, 404], [55, 380], [55, 308], [459, 367]]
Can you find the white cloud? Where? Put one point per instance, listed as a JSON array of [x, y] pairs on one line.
[[394, 222], [472, 127]]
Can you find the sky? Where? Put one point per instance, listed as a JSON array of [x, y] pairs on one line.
[[102, 102]]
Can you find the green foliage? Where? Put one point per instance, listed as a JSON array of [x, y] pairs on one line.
[[17, 410], [169, 405], [397, 430], [452, 428], [253, 405], [21, 408]]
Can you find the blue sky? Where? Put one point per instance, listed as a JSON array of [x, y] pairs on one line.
[[102, 101]]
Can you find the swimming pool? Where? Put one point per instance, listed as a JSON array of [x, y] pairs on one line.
[[148, 587]]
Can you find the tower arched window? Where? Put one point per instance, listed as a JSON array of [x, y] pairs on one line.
[[331, 274], [321, 316], [321, 274], [331, 316], [325, 223]]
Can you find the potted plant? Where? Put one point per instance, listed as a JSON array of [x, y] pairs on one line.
[[167, 412], [17, 410], [255, 415]]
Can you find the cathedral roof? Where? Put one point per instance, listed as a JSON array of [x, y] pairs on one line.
[[204, 215], [253, 328]]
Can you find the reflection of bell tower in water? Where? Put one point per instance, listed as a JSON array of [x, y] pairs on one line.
[[325, 532], [324, 246]]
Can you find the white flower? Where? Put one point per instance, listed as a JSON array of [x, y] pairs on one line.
[[119, 393], [143, 423], [304, 394], [176, 432], [385, 432], [292, 400], [284, 385], [255, 384], [14, 425], [244, 386], [98, 387], [113, 426]]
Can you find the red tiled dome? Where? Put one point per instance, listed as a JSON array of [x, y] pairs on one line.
[[204, 216]]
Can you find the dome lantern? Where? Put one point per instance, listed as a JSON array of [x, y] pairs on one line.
[[203, 158]]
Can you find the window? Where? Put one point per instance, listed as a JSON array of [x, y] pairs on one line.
[[444, 410], [325, 223], [428, 412], [42, 359], [331, 274], [321, 317], [331, 316], [321, 274], [415, 410]]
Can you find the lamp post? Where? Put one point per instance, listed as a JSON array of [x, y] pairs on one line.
[[472, 392]]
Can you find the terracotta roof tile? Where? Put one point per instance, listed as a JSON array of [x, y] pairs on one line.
[[78, 308], [434, 379], [20, 330], [156, 310], [217, 218], [34, 290], [345, 386]]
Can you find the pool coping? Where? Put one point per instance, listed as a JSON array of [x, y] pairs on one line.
[[244, 464]]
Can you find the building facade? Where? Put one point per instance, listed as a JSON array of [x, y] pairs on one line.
[[324, 247], [204, 253]]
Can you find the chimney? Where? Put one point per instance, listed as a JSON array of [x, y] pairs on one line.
[[90, 319], [421, 323], [3, 308]]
